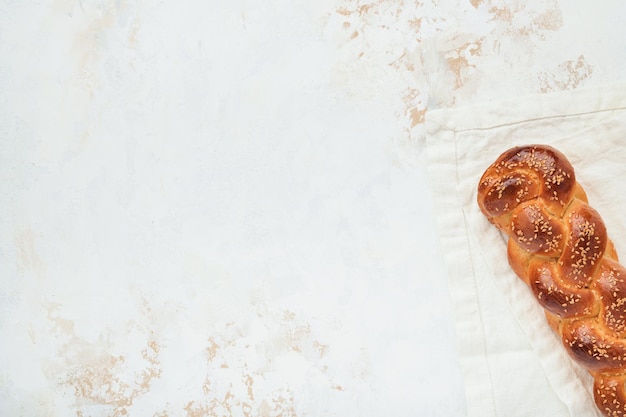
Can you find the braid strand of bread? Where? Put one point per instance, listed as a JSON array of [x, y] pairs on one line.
[[558, 246]]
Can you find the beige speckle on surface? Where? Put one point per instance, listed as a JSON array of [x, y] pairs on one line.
[[568, 75], [26, 255]]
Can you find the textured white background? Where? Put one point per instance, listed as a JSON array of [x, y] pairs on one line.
[[220, 208]]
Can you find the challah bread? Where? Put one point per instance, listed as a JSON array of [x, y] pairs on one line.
[[558, 246]]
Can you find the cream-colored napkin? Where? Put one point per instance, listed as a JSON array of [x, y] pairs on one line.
[[513, 364]]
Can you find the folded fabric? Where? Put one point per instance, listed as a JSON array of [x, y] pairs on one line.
[[513, 364]]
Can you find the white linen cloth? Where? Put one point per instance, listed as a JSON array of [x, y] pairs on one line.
[[513, 364]]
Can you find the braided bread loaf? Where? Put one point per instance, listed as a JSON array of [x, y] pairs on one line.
[[558, 246]]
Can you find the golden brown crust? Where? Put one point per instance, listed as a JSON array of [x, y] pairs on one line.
[[522, 174], [609, 393], [558, 245], [555, 295]]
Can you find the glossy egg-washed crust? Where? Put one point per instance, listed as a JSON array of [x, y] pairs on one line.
[[558, 246]]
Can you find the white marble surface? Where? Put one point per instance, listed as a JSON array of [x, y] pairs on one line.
[[222, 209]]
